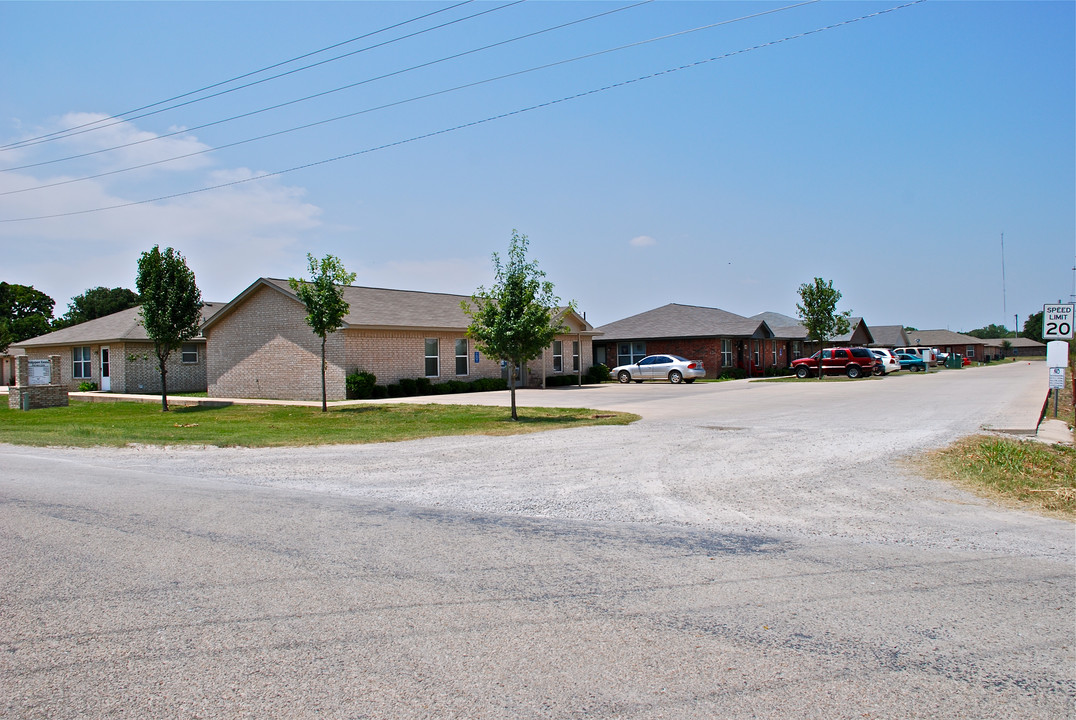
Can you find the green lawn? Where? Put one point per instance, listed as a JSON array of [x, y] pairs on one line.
[[85, 424]]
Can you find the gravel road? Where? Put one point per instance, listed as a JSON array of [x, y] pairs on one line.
[[746, 550]]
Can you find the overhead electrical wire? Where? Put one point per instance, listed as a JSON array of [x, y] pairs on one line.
[[335, 90], [474, 123], [116, 120], [381, 107]]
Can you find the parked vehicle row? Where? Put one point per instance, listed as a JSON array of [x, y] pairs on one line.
[[855, 362]]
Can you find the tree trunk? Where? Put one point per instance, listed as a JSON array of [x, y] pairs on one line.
[[324, 405], [164, 383], [512, 386]]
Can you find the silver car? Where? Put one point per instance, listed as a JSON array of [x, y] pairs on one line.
[[673, 368]]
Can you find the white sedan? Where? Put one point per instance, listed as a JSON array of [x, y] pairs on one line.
[[673, 368], [890, 362]]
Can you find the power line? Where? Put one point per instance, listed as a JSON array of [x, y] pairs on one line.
[[474, 123], [384, 106], [325, 92], [115, 120]]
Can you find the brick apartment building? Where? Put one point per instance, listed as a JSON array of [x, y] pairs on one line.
[[259, 344]]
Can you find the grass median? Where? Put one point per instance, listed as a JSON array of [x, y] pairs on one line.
[[85, 424]]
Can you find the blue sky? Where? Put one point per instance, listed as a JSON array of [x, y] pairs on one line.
[[888, 154]]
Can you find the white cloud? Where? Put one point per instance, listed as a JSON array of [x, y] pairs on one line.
[[229, 236], [642, 241]]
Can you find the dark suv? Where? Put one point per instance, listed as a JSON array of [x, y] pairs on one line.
[[852, 361]]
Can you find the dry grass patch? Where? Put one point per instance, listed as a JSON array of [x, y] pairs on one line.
[[1020, 473]]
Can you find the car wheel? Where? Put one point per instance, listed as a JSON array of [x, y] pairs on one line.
[[853, 371], [879, 370], [802, 372], [675, 377], [624, 376]]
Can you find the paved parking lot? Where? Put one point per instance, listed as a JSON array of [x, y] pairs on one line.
[[746, 550]]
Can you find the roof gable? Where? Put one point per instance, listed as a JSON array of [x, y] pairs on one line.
[[679, 321]]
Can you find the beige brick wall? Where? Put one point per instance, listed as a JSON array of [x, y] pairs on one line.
[[265, 349], [395, 355], [132, 367]]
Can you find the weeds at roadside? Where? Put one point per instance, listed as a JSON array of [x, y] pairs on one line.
[[1023, 473]]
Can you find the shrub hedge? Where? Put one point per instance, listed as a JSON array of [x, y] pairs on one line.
[[363, 385]]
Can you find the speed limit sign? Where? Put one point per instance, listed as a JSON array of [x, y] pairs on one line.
[[1057, 322]]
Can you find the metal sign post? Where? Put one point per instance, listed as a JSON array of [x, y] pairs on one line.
[[1057, 359]]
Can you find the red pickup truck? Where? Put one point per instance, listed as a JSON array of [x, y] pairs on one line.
[[852, 361]]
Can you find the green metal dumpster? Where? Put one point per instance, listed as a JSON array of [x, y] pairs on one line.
[[954, 361]]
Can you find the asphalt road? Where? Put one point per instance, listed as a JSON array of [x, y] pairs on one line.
[[716, 559]]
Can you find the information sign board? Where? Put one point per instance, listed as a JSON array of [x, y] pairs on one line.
[[1057, 378], [1057, 322], [40, 372]]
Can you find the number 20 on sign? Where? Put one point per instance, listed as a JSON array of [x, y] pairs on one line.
[[1057, 322]]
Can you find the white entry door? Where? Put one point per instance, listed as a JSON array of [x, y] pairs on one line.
[[106, 371]]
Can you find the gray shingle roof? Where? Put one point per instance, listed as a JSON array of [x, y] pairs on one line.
[[122, 326], [1016, 342], [941, 337], [682, 321], [889, 335], [384, 308]]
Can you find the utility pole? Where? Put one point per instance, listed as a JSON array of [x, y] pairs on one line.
[[1004, 307]]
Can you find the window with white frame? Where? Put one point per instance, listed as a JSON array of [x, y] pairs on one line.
[[558, 356], [81, 367], [757, 353], [189, 353], [575, 356], [461, 357], [628, 353], [797, 349], [970, 351], [726, 353], [433, 358], [774, 353]]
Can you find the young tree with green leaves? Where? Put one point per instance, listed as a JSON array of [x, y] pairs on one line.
[[323, 296], [818, 313], [171, 306], [518, 317]]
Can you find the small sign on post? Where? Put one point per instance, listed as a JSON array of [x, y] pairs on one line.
[[1057, 321], [1057, 359]]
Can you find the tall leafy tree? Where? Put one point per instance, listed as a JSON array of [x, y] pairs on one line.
[[1033, 326], [96, 302], [818, 313], [990, 332], [323, 296], [171, 305], [24, 313], [518, 317]]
